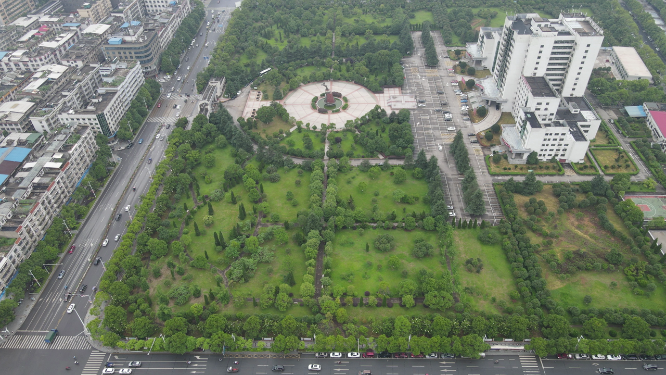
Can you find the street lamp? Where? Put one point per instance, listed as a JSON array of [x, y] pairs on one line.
[[85, 330], [151, 346]]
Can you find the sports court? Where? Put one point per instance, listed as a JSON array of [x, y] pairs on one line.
[[651, 205]]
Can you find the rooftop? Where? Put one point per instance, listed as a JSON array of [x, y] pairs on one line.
[[539, 87], [532, 120], [659, 119], [98, 28], [14, 110], [631, 61]]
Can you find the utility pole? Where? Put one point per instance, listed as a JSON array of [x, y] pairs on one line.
[[33, 276]]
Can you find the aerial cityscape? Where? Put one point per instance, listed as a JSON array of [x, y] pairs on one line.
[[372, 187]]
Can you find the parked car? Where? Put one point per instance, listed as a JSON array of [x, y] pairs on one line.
[[432, 355], [71, 308], [440, 92], [451, 214], [369, 354], [605, 370], [321, 355], [336, 355], [400, 355], [613, 357], [564, 356], [135, 364], [72, 248], [108, 370], [581, 356], [631, 357], [314, 367], [384, 355], [649, 367], [471, 134], [278, 368], [451, 128], [421, 355], [448, 356], [353, 355], [473, 141], [599, 357], [61, 274], [645, 357]]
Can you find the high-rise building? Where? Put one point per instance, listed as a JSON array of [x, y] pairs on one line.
[[13, 9]]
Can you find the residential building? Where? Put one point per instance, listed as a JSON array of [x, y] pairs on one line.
[[484, 52], [13, 9], [656, 121], [131, 10], [95, 10], [563, 50], [11, 83], [81, 87], [153, 6], [167, 22], [121, 83], [35, 184], [629, 64], [51, 7], [87, 50], [42, 52], [134, 43]]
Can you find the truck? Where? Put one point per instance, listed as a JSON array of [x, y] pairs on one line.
[[50, 337]]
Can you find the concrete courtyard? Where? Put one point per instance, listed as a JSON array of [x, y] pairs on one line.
[[297, 102]]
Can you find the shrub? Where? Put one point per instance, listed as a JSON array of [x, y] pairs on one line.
[[384, 243]]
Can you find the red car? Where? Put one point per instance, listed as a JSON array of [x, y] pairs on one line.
[[564, 356], [159, 105], [369, 354], [71, 249]]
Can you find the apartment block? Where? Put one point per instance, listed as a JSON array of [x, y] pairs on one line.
[[96, 10], [121, 83], [629, 64], [13, 9], [34, 185]]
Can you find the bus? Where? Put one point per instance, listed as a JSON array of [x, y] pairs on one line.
[[264, 71]]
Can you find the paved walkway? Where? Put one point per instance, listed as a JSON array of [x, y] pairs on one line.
[[491, 119]]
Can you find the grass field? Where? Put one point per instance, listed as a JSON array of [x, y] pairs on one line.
[[585, 168], [276, 194], [570, 292], [223, 160], [494, 280], [274, 126], [348, 185], [600, 139], [608, 160], [297, 137], [287, 257], [503, 167], [506, 118], [421, 16], [365, 270]]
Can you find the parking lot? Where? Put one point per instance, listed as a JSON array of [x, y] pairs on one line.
[[433, 133]]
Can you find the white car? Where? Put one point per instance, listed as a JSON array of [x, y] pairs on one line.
[[125, 371], [71, 308], [108, 370], [451, 128], [336, 355], [178, 79], [353, 355], [598, 357], [116, 238], [106, 242], [314, 367], [611, 357], [432, 355], [127, 208], [581, 356]]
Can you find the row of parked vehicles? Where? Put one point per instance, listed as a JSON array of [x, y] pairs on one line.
[[610, 357], [372, 354]]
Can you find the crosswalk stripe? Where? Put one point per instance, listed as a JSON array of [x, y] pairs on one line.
[[37, 342]]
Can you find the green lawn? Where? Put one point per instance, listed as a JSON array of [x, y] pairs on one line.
[[609, 163], [365, 270], [297, 137], [494, 280], [600, 139], [570, 292], [288, 256], [421, 16], [273, 127], [276, 194], [223, 160], [348, 185], [586, 168]]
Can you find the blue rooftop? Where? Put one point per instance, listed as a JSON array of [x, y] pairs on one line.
[[635, 111], [115, 40], [3, 178], [135, 23], [3, 54], [124, 25], [71, 24], [17, 154]]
